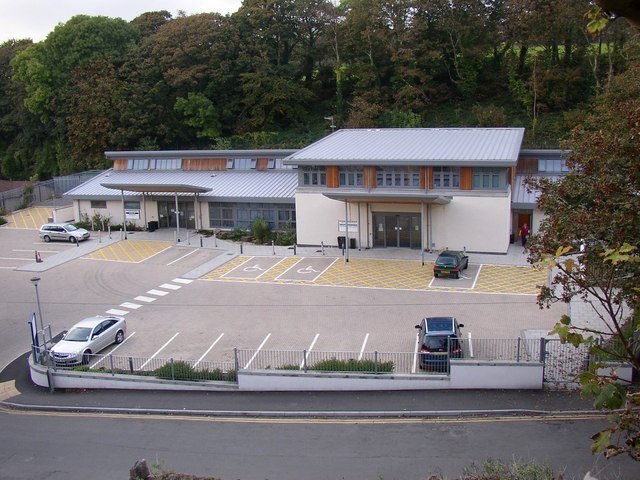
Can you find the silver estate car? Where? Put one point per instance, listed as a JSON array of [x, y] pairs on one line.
[[89, 336], [67, 232]]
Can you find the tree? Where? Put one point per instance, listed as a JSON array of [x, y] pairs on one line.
[[589, 238]]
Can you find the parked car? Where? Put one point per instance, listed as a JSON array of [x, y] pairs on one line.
[[450, 262], [66, 232], [439, 338], [88, 336]]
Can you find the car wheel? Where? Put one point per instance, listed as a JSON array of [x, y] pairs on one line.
[[73, 239], [119, 336], [457, 275], [46, 238], [86, 356]]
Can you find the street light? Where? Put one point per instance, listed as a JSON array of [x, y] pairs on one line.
[[35, 281]]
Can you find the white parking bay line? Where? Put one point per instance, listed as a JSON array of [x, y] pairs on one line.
[[111, 352], [306, 355], [142, 298], [184, 281], [115, 311], [159, 293], [257, 351], [364, 344], [184, 256], [132, 306], [159, 350], [170, 286], [208, 350]]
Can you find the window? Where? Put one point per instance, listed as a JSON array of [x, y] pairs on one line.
[[553, 166], [446, 177], [166, 164], [351, 177], [242, 163], [132, 205], [138, 164], [241, 215], [95, 204], [398, 177], [488, 178], [314, 176]]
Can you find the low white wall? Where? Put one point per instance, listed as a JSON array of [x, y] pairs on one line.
[[624, 372], [496, 375], [464, 375], [64, 214]]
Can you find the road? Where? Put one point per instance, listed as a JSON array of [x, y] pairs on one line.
[[80, 446]]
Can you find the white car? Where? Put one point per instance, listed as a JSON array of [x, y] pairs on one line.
[[87, 337], [67, 232]]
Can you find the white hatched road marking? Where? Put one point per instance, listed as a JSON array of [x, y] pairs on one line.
[[159, 350], [184, 256], [309, 350], [115, 311], [257, 351], [364, 344], [132, 306], [159, 293], [117, 347], [170, 286], [142, 298], [185, 281], [208, 350]]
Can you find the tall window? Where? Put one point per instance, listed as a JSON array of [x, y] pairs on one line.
[[488, 178], [446, 177], [398, 177], [314, 176], [351, 176], [279, 216], [558, 165]]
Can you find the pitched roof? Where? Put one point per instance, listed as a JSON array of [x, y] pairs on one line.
[[276, 186], [414, 146]]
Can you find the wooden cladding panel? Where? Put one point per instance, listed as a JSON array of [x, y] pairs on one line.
[[262, 164], [369, 177], [197, 164], [333, 177], [120, 164], [466, 178]]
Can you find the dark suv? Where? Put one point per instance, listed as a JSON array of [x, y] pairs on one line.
[[439, 338]]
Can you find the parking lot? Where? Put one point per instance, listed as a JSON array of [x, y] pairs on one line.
[[185, 302]]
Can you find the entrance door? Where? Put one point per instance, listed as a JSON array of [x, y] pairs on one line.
[[397, 230], [167, 212]]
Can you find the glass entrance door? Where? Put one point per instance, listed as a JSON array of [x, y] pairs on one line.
[[167, 213], [397, 230]]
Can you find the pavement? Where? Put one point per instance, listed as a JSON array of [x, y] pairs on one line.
[[18, 392]]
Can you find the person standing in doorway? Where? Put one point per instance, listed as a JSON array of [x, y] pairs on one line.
[[524, 233]]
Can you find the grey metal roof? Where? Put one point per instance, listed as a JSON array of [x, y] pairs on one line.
[[271, 153], [414, 146], [228, 185], [521, 197]]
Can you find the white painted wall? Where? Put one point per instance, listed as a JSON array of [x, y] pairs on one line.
[[115, 213], [479, 223]]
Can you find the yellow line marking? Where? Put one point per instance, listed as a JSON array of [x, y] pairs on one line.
[[129, 251], [8, 390]]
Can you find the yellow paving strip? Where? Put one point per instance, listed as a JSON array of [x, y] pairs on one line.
[[399, 275], [129, 251], [30, 218], [8, 390]]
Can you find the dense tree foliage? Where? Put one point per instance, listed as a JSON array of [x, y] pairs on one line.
[[269, 74], [589, 238]]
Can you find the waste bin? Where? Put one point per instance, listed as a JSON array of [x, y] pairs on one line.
[[152, 226], [352, 243], [342, 242], [511, 238]]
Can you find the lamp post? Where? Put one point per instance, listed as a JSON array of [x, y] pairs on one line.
[[35, 281]]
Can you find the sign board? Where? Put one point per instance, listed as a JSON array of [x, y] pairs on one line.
[[353, 226], [132, 214]]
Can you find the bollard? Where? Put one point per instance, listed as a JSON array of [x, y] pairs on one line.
[[273, 246], [240, 248], [38, 258], [322, 248], [200, 242], [294, 249]]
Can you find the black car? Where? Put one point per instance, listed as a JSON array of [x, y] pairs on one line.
[[439, 338], [450, 262]]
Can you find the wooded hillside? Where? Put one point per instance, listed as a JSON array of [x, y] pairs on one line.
[[278, 72]]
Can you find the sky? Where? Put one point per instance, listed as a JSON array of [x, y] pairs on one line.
[[36, 18]]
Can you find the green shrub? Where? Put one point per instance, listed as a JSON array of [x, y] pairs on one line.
[[352, 365], [260, 230], [2, 221], [181, 370], [286, 237], [234, 235]]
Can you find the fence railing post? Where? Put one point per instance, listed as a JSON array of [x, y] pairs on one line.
[[304, 361], [375, 362], [518, 354], [173, 369], [131, 365], [235, 359], [543, 348], [111, 365]]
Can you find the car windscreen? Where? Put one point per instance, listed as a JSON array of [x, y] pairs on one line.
[[446, 261], [436, 343], [70, 227], [78, 334]]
